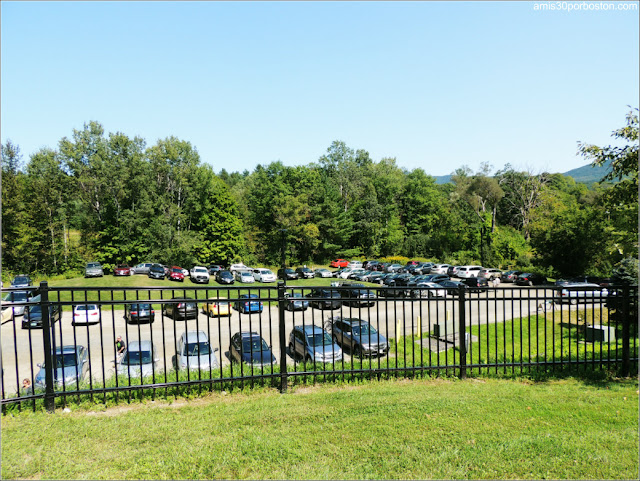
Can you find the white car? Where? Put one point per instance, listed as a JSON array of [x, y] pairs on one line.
[[264, 275], [86, 314], [139, 356], [199, 274], [238, 267], [429, 289], [322, 273], [467, 272], [355, 265], [440, 268], [244, 276], [581, 292], [345, 273], [194, 351]]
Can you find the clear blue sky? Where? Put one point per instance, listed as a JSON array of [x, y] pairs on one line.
[[436, 85]]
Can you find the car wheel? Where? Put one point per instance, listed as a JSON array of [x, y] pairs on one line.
[[307, 358], [574, 302], [357, 352], [293, 354], [530, 283]]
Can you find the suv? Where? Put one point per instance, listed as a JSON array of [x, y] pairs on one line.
[[142, 268], [465, 272], [312, 343], [93, 269], [490, 274], [476, 284], [359, 337], [33, 315], [304, 273], [194, 351], [181, 308], [199, 274]]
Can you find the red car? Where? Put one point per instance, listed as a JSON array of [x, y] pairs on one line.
[[339, 263], [175, 274], [122, 270]]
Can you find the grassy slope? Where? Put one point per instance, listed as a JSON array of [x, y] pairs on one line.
[[395, 430]]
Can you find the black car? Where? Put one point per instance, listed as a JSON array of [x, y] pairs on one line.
[[32, 318], [510, 276], [476, 284], [156, 271], [139, 313], [288, 274], [324, 298], [392, 291], [181, 308], [530, 279], [357, 295], [371, 265], [304, 273], [224, 277], [453, 287]]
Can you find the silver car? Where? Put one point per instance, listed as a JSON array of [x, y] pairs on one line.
[[93, 269], [195, 352], [138, 357], [15, 296], [359, 337], [313, 344], [576, 292], [71, 365]]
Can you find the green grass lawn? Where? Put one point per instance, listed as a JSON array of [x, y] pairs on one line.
[[433, 429]]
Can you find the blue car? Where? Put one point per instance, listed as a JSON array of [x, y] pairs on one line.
[[250, 348], [313, 344], [246, 304]]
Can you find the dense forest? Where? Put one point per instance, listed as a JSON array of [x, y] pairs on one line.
[[111, 198]]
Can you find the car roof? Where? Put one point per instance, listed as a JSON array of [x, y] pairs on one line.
[[310, 329], [139, 346], [195, 336]]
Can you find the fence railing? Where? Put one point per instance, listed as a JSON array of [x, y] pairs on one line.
[[63, 346]]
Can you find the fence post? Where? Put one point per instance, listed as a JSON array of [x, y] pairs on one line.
[[283, 339], [49, 395], [626, 337], [462, 328]]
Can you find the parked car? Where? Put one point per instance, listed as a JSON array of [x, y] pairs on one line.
[[139, 313], [322, 272], [224, 277], [156, 271], [93, 269], [239, 267], [250, 348], [313, 344], [304, 273], [339, 263], [452, 287], [181, 309], [21, 281], [139, 359], [264, 275], [355, 265], [427, 289], [195, 352], [510, 276], [531, 279], [371, 265], [217, 307], [476, 284], [122, 270], [214, 268], [344, 273], [176, 274], [11, 298], [295, 302], [465, 272], [246, 303], [358, 296], [452, 270], [581, 292], [32, 318], [288, 274], [142, 268], [199, 274], [490, 274], [358, 336], [393, 268], [246, 277], [439, 269], [324, 298], [71, 365], [86, 314]]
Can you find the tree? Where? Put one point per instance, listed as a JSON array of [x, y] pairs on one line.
[[621, 199]]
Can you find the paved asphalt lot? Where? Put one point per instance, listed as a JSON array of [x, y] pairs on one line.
[[389, 316]]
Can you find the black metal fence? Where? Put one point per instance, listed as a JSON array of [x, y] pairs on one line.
[[58, 351]]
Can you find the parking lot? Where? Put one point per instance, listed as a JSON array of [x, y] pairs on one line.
[[391, 317]]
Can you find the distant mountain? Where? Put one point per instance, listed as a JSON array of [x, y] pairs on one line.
[[588, 174], [585, 174]]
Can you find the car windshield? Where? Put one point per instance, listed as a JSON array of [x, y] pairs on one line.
[[196, 349], [21, 280], [254, 345], [137, 357], [16, 296], [122, 266], [65, 360], [364, 330], [177, 270], [93, 264], [157, 269], [320, 339]]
